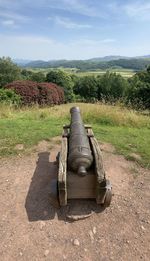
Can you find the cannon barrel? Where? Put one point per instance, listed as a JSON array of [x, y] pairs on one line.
[[80, 156]]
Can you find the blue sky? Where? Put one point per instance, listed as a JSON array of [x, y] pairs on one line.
[[74, 29]]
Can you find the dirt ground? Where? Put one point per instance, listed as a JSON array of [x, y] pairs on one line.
[[31, 229]]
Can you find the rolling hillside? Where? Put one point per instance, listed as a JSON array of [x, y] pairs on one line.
[[134, 63]]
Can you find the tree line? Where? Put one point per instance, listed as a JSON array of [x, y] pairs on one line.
[[109, 87]]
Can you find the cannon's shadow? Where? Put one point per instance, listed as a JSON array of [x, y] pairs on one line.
[[37, 202]]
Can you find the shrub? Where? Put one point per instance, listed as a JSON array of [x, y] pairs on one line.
[[9, 97], [41, 93], [48, 93], [60, 93], [57, 93], [45, 94], [28, 91]]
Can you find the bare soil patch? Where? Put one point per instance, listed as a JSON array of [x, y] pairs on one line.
[[31, 229]]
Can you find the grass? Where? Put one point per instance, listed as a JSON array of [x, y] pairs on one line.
[[127, 140], [127, 130]]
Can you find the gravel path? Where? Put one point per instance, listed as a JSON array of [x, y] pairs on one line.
[[31, 229]]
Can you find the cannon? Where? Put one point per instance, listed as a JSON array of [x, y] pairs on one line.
[[81, 174], [80, 155]]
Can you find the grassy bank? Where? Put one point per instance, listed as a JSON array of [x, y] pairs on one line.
[[127, 130]]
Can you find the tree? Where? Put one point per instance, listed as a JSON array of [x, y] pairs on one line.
[[8, 71], [38, 77], [118, 86], [144, 76], [111, 86], [104, 86], [86, 87], [139, 91], [148, 69], [33, 76], [26, 74], [64, 80]]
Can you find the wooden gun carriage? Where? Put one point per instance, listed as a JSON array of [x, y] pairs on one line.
[[81, 173]]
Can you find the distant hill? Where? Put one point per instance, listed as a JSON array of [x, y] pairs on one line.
[[134, 63], [21, 62], [108, 58], [143, 57]]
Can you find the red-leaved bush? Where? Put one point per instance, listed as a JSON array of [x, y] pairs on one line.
[[41, 93], [28, 90], [48, 93]]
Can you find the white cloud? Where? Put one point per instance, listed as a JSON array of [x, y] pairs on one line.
[[13, 16], [87, 8], [108, 40], [83, 7], [11, 24], [68, 23], [14, 5], [80, 7], [92, 43], [8, 22], [138, 10]]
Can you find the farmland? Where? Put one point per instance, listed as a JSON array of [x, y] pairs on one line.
[[126, 73]]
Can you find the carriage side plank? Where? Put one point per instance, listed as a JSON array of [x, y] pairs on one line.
[[99, 170], [62, 187]]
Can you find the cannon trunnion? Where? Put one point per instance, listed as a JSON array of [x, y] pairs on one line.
[[81, 173]]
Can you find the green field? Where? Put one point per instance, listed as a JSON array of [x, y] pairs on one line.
[[126, 73], [123, 72], [127, 130]]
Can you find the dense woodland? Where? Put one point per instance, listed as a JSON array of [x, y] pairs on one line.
[[22, 86]]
